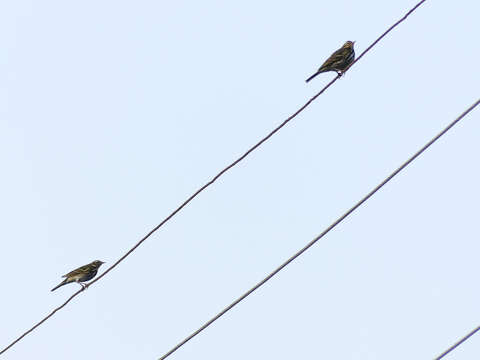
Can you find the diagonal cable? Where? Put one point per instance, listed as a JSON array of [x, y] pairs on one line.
[[459, 342], [324, 232], [215, 178]]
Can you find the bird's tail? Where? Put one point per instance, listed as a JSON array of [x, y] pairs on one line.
[[64, 282], [311, 77]]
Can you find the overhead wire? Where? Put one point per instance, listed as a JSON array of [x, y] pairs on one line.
[[322, 234], [458, 343], [213, 179]]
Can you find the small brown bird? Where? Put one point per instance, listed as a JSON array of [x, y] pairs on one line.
[[83, 273], [338, 61]]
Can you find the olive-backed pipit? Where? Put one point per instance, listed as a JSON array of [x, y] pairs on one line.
[[338, 61], [83, 273]]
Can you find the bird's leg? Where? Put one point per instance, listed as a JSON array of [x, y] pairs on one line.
[[84, 287]]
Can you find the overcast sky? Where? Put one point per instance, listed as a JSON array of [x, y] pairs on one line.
[[112, 113]]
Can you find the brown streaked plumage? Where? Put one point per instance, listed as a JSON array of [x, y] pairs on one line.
[[338, 61], [83, 273]]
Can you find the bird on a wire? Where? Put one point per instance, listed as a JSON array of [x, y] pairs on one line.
[[338, 61], [83, 273]]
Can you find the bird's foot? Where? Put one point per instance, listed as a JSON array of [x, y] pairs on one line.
[[84, 286]]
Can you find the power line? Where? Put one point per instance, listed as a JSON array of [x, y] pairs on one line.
[[327, 230], [215, 178], [454, 346]]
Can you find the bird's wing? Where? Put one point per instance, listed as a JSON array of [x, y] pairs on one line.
[[81, 270], [337, 55], [334, 58]]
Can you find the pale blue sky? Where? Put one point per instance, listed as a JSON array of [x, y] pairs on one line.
[[112, 113]]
